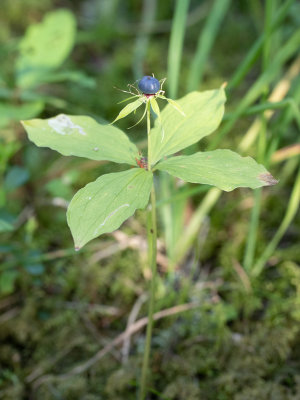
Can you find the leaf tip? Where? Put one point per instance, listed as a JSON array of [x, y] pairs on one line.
[[224, 84], [26, 123], [77, 248], [267, 179]]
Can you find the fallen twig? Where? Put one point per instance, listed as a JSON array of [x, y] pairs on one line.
[[138, 325]]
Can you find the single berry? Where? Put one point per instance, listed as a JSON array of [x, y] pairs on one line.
[[149, 85]]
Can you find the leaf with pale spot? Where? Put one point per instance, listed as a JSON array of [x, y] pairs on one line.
[[221, 168], [103, 205], [82, 137]]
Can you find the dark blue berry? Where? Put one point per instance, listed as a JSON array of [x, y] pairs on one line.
[[149, 85]]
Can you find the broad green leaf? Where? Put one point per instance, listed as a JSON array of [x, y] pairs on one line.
[[203, 114], [128, 109], [82, 137], [10, 112], [221, 168], [103, 205], [45, 46]]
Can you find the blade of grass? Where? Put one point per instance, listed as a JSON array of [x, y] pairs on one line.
[[288, 50], [142, 40], [165, 189], [279, 105], [212, 196], [183, 194], [278, 93], [206, 41], [250, 246], [175, 46], [255, 50], [167, 212], [255, 214], [292, 209], [192, 229]]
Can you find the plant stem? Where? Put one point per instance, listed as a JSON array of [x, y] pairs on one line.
[[152, 239]]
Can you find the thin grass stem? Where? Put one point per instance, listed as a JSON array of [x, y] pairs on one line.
[[257, 89], [176, 43], [205, 42], [255, 214], [279, 105], [256, 48], [292, 209], [142, 40]]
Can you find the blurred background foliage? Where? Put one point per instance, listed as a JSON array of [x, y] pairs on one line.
[[231, 260]]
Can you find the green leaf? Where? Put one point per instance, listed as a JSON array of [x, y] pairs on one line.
[[173, 103], [5, 226], [78, 77], [10, 112], [203, 114], [16, 177], [221, 168], [103, 205], [128, 109], [45, 46], [7, 281], [156, 110], [82, 137]]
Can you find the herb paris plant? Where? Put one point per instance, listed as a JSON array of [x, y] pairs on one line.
[[103, 205]]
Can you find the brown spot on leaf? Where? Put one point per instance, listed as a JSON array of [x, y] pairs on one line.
[[267, 179]]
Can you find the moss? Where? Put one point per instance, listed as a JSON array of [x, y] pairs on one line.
[[182, 389]]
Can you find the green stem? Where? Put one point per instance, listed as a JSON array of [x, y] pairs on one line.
[[206, 41], [291, 212], [176, 44], [255, 214], [148, 134], [252, 234], [152, 239], [255, 50]]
